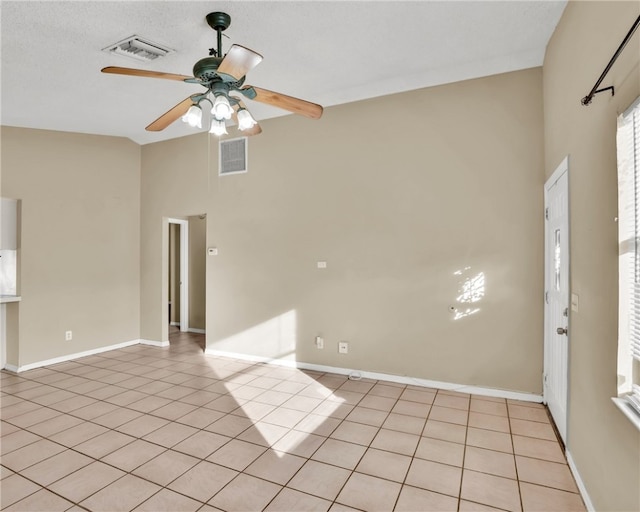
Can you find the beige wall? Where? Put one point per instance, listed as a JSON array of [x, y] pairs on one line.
[[174, 185], [197, 271], [406, 197], [604, 444], [80, 241]]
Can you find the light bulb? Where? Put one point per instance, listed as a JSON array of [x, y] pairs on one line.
[[245, 120], [221, 108], [218, 127], [193, 117]]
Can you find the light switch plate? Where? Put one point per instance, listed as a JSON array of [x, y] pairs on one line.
[[574, 302]]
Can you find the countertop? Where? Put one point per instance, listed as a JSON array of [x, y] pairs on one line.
[[9, 298]]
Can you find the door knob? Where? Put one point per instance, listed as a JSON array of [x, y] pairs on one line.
[[562, 330]]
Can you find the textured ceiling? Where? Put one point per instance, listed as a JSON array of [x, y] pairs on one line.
[[326, 52]]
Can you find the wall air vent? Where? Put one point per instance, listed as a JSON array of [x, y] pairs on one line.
[[232, 156], [138, 48]]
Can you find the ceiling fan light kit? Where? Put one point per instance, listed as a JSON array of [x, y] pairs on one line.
[[221, 75]]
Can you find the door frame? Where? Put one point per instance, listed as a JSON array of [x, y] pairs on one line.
[[548, 269], [3, 336], [184, 272]]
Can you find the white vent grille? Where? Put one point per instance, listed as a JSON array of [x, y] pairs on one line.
[[232, 156], [138, 48]]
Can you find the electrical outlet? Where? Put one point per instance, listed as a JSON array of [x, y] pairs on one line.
[[68, 335], [343, 347], [319, 343]]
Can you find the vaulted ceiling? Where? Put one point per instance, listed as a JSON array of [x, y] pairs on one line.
[[328, 52]]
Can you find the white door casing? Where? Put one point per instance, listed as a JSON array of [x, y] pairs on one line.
[[556, 306], [184, 272]]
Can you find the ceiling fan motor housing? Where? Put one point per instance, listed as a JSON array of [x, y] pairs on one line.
[[205, 69]]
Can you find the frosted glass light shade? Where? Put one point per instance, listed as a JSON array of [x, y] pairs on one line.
[[221, 108], [245, 120], [218, 127], [193, 117]]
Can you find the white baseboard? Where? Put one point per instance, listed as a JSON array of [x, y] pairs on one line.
[[69, 357], [400, 379], [580, 483], [197, 331], [161, 344], [175, 324]]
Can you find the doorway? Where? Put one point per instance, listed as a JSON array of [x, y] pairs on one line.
[[556, 298], [178, 275]]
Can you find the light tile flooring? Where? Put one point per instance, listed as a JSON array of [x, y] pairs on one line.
[[152, 429]]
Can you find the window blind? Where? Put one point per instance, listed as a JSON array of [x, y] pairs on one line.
[[628, 143]]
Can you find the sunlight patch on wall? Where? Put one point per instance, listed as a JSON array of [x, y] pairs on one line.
[[274, 338], [470, 293]]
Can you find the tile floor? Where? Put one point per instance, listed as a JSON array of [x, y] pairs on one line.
[[151, 429]]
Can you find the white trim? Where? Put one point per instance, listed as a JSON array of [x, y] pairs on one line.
[[627, 410], [631, 107], [560, 170], [400, 379], [3, 336], [174, 324], [184, 272], [197, 331], [70, 357], [161, 344], [580, 483]]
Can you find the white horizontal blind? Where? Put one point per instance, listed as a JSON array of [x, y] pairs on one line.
[[628, 142]]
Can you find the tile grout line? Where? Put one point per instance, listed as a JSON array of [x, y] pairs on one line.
[[174, 401], [464, 455], [515, 461]]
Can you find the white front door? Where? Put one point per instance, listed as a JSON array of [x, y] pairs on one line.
[[556, 313]]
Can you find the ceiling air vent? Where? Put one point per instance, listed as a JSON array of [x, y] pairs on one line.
[[233, 156], [138, 48]]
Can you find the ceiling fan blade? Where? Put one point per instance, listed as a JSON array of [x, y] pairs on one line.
[[145, 72], [254, 130], [295, 105], [238, 62], [170, 116]]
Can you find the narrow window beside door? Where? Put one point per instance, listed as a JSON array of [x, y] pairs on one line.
[[557, 261]]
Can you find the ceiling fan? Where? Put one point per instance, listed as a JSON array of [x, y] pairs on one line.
[[222, 75]]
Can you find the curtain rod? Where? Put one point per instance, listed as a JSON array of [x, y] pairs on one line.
[[587, 99]]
